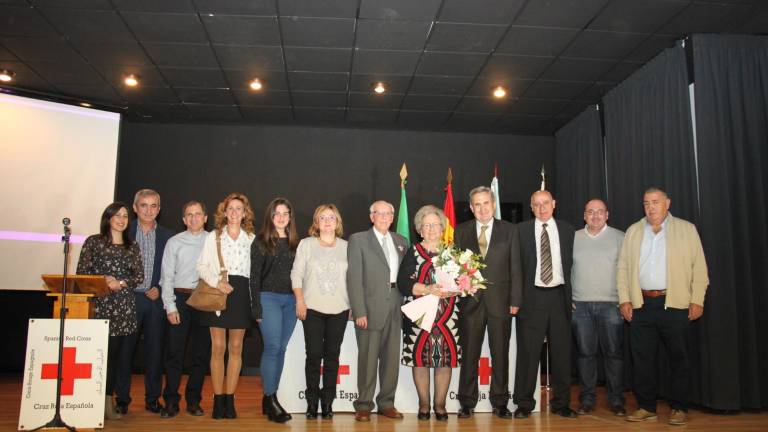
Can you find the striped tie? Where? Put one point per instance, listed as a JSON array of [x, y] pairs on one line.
[[546, 256]]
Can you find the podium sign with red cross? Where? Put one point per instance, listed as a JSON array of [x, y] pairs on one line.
[[83, 373]]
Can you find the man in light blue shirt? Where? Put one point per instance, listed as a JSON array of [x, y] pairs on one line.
[[179, 277]]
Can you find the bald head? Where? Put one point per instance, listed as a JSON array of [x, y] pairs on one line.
[[542, 205]]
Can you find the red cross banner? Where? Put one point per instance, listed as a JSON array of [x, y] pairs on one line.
[[83, 372], [293, 384]]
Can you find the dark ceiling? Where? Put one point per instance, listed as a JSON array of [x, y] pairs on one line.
[[318, 58]]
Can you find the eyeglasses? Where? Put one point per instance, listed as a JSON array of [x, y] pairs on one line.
[[598, 212], [432, 226], [330, 218], [383, 214]]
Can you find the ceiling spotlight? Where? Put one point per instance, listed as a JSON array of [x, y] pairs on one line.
[[132, 80], [499, 92], [85, 104], [380, 88], [7, 75], [256, 84]]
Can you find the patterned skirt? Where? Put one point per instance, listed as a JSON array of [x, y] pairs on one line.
[[438, 347]]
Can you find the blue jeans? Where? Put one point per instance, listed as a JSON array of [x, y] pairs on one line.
[[278, 318], [599, 325]]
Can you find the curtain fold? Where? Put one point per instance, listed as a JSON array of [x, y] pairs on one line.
[[731, 94], [649, 139], [579, 165]]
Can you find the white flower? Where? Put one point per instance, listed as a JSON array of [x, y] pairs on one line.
[[446, 254], [452, 269], [435, 259], [465, 257], [478, 276]]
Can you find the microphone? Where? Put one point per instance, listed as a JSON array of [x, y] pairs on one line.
[[67, 229]]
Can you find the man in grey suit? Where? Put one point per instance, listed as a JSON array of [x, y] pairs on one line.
[[374, 257], [491, 308]]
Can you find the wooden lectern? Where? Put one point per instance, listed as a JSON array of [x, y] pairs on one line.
[[80, 290]]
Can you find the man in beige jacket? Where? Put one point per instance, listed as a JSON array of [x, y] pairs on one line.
[[662, 280]]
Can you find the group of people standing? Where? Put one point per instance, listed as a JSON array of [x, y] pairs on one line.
[[554, 281]]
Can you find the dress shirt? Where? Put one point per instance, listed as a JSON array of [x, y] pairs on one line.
[[394, 258], [653, 258], [478, 227], [554, 248], [179, 268], [146, 241]]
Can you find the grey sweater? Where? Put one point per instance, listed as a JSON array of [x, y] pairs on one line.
[[593, 275]]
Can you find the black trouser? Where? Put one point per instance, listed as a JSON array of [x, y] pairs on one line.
[[323, 334], [548, 319], [151, 320], [471, 334], [113, 351], [650, 325], [188, 334]]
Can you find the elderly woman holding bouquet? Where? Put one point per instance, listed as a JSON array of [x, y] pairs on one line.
[[437, 349]]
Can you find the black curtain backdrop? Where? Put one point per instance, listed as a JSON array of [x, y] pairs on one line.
[[731, 95], [579, 165], [649, 139]]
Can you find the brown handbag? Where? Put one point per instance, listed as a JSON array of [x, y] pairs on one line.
[[205, 297]]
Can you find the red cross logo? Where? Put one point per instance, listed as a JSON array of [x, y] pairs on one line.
[[343, 370], [70, 371], [484, 370]]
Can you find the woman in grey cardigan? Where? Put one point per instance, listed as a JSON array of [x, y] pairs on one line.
[[319, 279]]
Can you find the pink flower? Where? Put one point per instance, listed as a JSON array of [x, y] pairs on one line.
[[465, 284]]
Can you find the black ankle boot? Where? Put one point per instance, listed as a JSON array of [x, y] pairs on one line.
[[219, 406], [271, 407], [229, 406], [326, 409], [311, 409]]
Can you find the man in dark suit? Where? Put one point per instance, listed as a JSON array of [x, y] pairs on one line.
[[546, 247], [374, 257], [150, 315], [491, 308]]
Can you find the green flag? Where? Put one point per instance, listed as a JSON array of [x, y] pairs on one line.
[[403, 226]]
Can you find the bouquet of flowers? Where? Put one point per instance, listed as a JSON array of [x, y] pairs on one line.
[[456, 271]]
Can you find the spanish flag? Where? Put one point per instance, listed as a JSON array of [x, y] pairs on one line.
[[449, 211]]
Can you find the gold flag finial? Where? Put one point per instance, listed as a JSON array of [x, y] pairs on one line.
[[543, 178], [449, 177], [403, 175]]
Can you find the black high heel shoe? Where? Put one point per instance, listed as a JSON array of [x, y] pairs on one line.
[[441, 415], [423, 415]]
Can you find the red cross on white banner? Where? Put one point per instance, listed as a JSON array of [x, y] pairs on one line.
[[484, 370], [70, 371]]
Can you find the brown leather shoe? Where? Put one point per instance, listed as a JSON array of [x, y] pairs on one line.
[[391, 413], [363, 416]]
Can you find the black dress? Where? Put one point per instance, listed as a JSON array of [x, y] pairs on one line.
[[100, 257], [440, 346]]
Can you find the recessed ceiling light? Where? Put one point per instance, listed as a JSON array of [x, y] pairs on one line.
[[380, 88], [132, 80], [256, 84], [85, 104], [7, 75], [499, 92]]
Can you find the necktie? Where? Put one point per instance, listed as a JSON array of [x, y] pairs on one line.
[[386, 250], [546, 256], [482, 241]]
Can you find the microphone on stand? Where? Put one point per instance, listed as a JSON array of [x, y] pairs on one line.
[[67, 229]]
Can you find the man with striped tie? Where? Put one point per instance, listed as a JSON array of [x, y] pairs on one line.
[[546, 246]]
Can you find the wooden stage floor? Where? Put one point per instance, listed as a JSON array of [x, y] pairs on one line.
[[249, 418]]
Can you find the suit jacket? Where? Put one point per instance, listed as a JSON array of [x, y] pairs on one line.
[[502, 271], [162, 235], [368, 283], [528, 257]]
